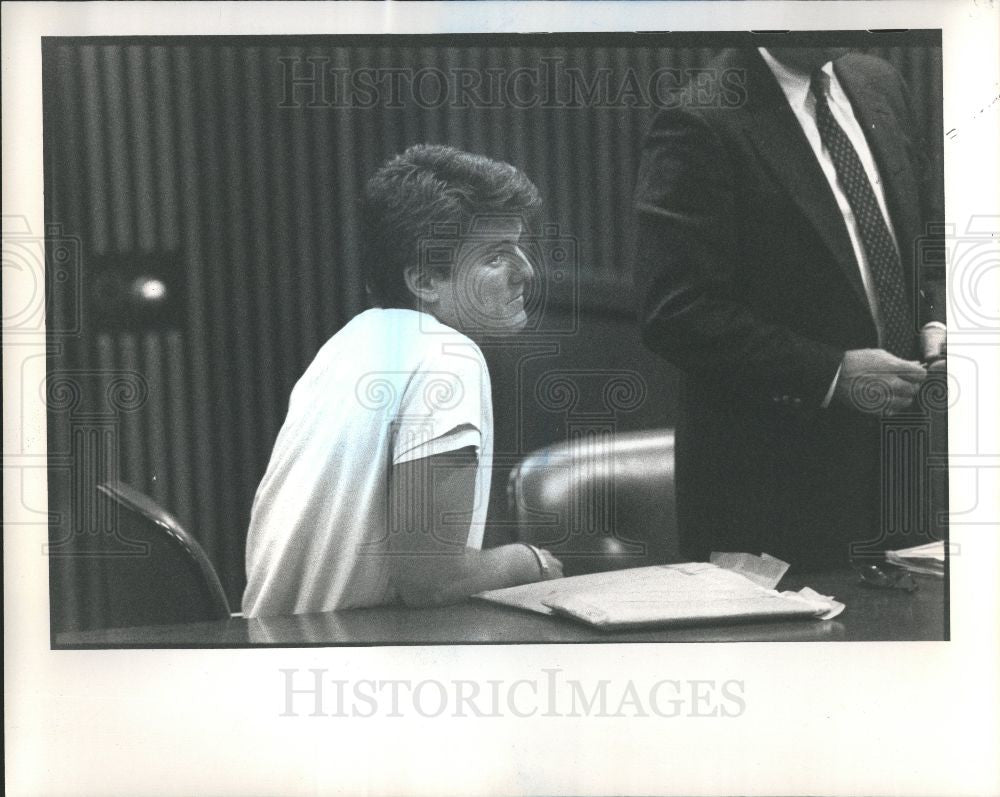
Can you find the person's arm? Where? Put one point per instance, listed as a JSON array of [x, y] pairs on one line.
[[931, 249], [430, 507], [689, 261], [689, 258]]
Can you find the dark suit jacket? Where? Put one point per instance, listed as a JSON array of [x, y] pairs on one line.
[[751, 287]]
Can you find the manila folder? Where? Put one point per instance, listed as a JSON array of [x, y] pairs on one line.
[[695, 593]]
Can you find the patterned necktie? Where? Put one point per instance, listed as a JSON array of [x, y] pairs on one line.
[[883, 260]]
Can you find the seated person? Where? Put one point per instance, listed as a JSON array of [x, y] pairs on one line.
[[377, 487]]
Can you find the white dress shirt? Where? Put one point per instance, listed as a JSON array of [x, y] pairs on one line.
[[795, 86]]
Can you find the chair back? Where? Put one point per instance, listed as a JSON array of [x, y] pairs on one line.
[[167, 578], [599, 503]]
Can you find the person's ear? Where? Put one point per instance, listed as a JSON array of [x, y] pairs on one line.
[[424, 284]]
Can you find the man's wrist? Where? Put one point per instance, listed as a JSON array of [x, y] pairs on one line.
[[933, 342]]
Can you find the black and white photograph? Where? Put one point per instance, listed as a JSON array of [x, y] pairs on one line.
[[379, 339], [424, 373]]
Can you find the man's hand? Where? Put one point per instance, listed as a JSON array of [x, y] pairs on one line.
[[934, 346], [874, 381]]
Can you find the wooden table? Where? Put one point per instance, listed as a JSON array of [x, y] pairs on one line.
[[871, 614]]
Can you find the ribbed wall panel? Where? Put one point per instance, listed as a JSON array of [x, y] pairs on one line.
[[182, 151]]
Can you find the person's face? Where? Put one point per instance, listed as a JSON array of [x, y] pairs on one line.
[[485, 290], [807, 59]]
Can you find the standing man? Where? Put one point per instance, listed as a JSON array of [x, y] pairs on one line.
[[778, 259]]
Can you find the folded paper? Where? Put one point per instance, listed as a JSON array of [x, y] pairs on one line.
[[694, 593], [928, 559]]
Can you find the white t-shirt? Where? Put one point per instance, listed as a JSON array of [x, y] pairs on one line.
[[391, 386]]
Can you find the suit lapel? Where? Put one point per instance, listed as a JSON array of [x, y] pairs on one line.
[[776, 134]]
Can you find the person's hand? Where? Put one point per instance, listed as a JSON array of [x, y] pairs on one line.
[[874, 381], [934, 346], [553, 567]]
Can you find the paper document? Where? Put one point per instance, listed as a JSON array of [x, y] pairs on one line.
[[663, 595], [927, 558], [765, 570]]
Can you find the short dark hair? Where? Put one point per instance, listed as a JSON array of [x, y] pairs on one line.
[[427, 185]]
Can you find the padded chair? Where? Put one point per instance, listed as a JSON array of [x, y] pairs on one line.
[[173, 581], [599, 503]]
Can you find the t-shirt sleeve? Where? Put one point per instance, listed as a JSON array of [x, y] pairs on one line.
[[441, 409]]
